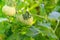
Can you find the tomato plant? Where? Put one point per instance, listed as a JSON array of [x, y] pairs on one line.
[[29, 19]]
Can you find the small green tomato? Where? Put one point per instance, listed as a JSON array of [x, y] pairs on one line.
[[8, 10], [27, 21]]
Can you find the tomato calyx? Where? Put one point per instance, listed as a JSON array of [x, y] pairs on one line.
[[27, 15]]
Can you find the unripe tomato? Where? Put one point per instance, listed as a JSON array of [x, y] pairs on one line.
[[8, 10], [28, 21]]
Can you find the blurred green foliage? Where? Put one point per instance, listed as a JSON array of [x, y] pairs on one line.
[[46, 13]]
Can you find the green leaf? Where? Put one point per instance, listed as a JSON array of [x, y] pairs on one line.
[[46, 30]]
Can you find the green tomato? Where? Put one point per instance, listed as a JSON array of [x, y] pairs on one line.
[[28, 21], [8, 10]]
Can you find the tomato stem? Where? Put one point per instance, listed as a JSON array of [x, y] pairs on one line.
[[35, 5], [56, 26]]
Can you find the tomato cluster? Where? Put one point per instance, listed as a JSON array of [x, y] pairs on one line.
[[25, 18]]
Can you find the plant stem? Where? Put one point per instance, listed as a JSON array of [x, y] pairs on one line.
[[39, 16], [34, 6], [56, 26]]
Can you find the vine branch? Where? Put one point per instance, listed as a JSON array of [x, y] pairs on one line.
[[56, 26]]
